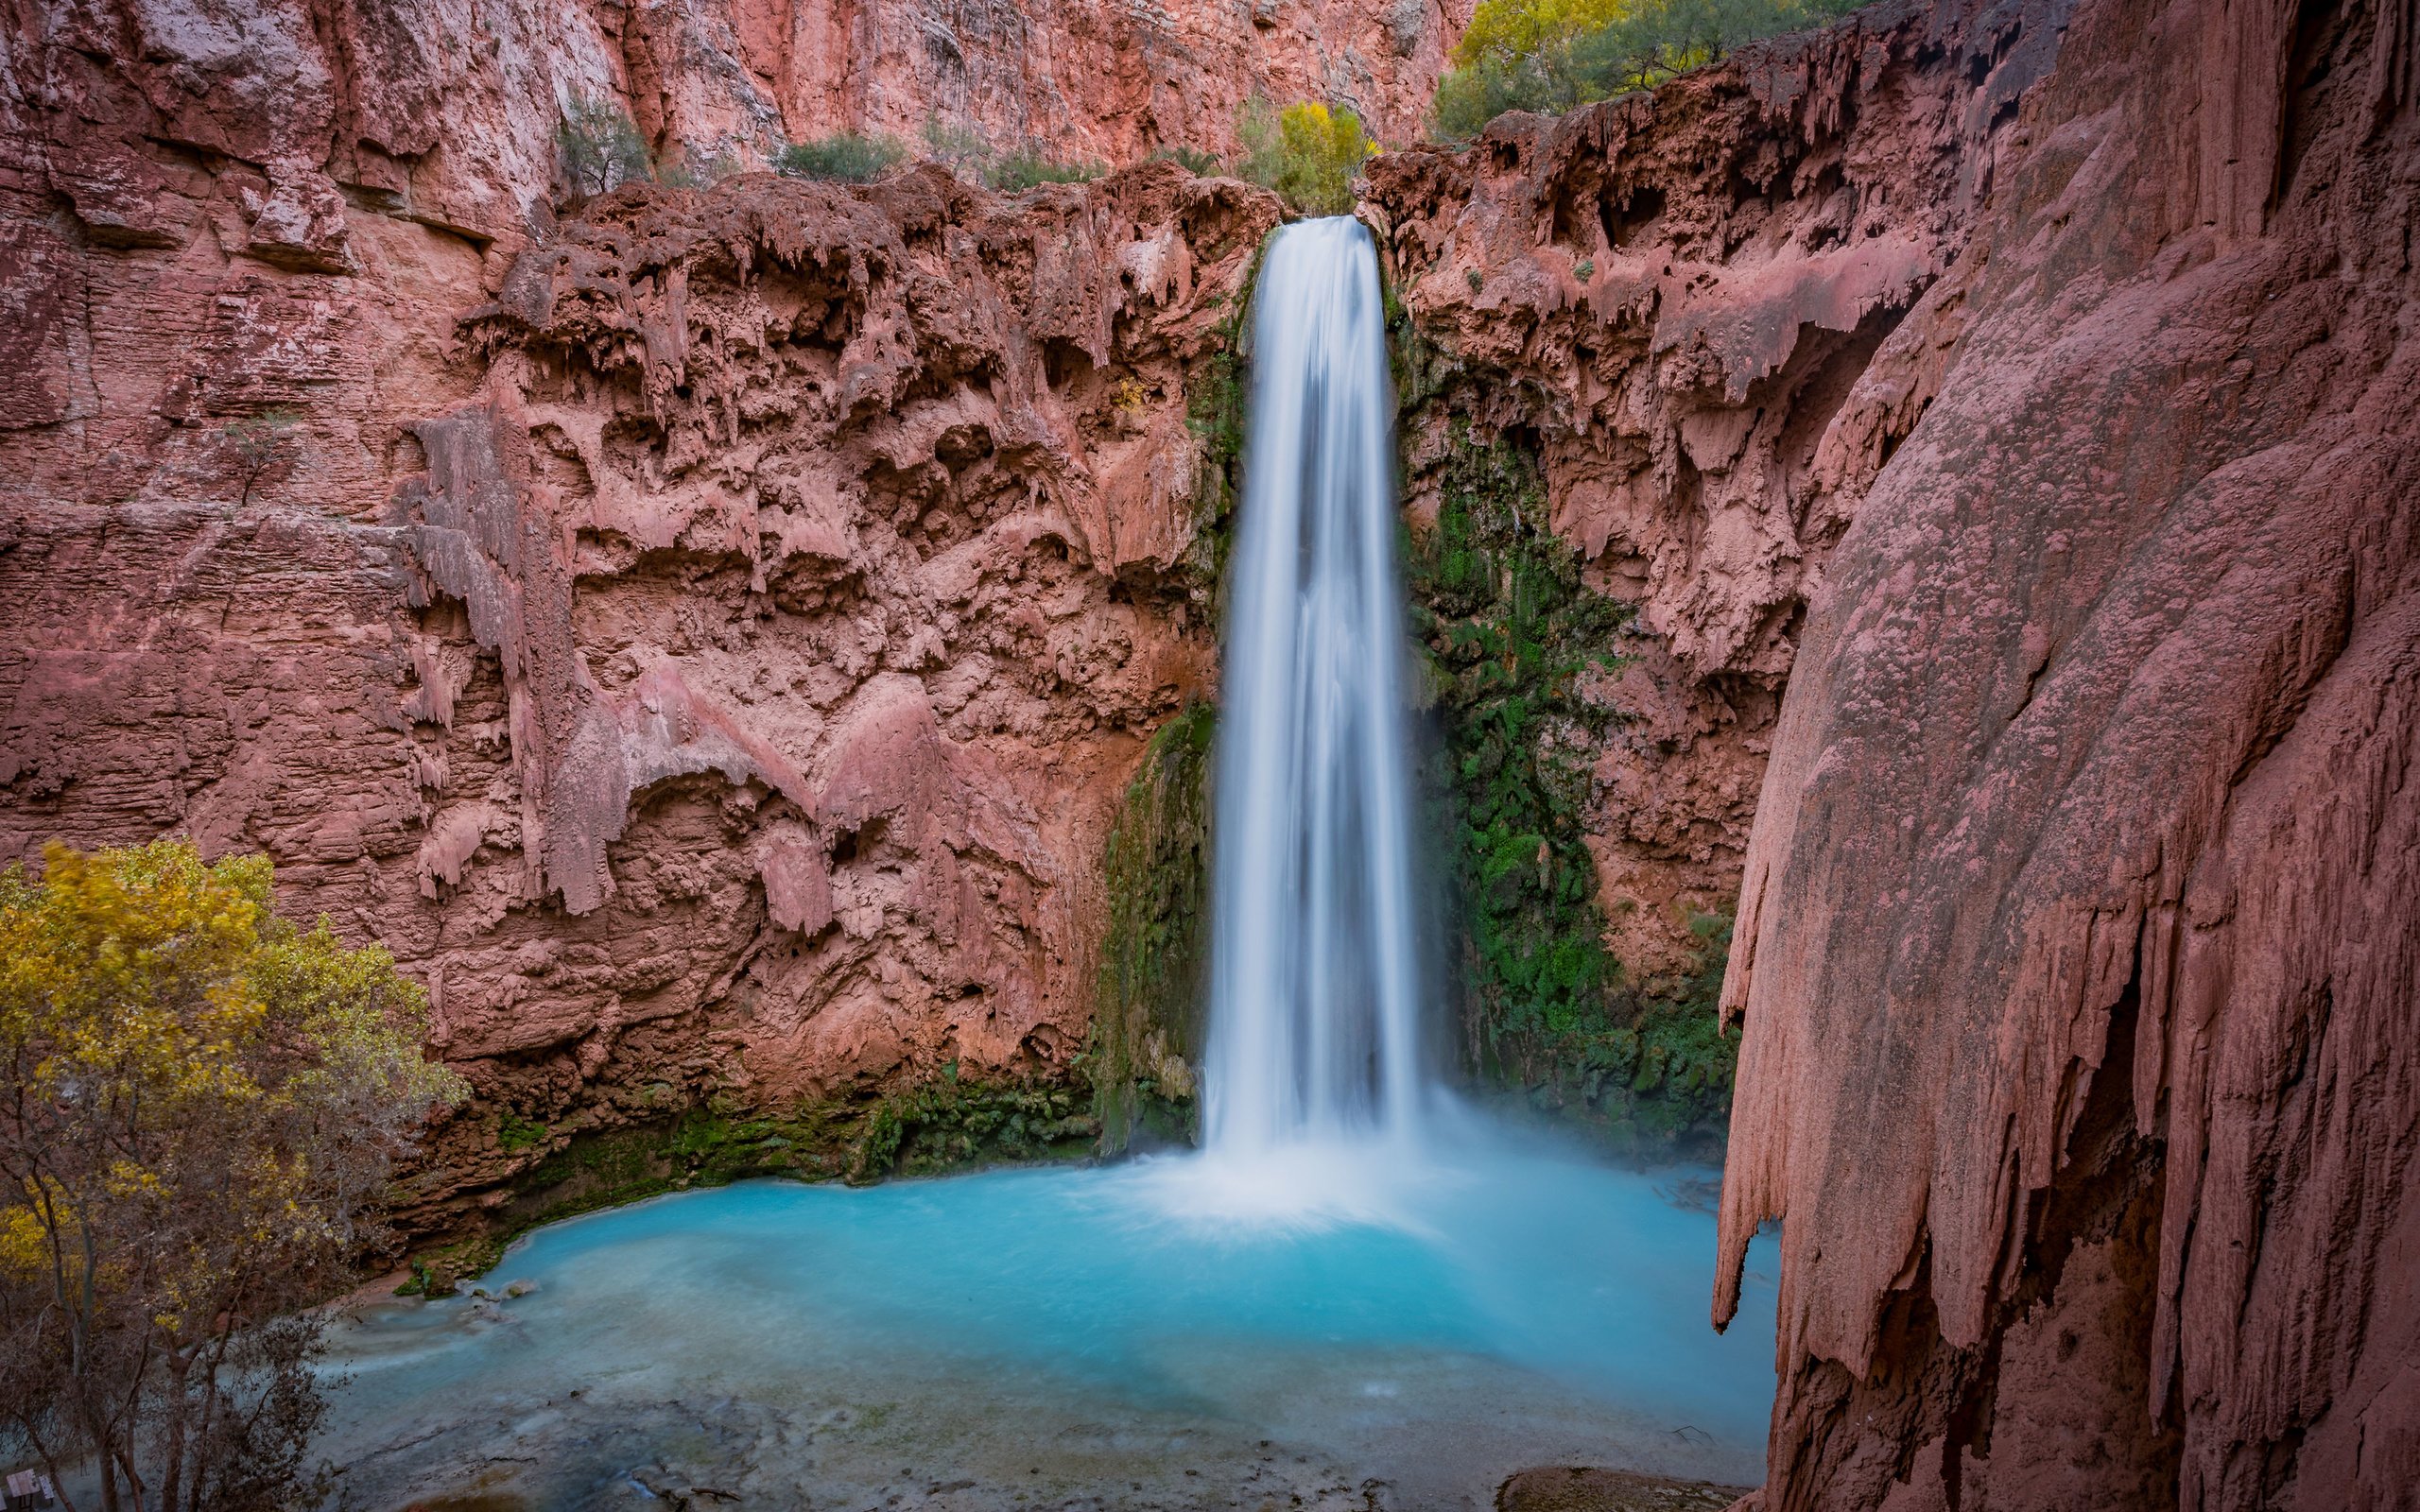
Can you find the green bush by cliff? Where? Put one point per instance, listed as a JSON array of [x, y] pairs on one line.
[[844, 156], [1514, 635], [1550, 56]]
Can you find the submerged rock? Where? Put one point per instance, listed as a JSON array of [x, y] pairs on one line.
[[1577, 1488]]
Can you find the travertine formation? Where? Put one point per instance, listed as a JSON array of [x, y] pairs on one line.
[[1689, 304], [2058, 370], [2080, 945], [708, 656]]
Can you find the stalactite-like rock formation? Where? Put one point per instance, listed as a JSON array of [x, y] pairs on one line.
[[711, 665], [2037, 392], [2079, 951]]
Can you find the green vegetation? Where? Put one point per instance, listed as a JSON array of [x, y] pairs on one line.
[[260, 444], [1515, 635], [1309, 153], [966, 153], [514, 1132], [1147, 1025], [945, 1124], [1027, 169], [949, 1123], [1550, 56], [1215, 402], [597, 148], [201, 1109], [956, 147], [1193, 160], [845, 156]]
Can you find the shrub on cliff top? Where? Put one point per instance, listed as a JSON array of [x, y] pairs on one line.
[[1021, 171], [844, 156], [1309, 153], [1550, 56], [203, 1108], [597, 148]]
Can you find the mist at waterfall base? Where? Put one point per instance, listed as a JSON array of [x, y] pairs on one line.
[[1358, 1289]]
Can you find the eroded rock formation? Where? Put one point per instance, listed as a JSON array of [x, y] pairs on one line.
[[2053, 427], [2079, 951], [1689, 305], [713, 666]]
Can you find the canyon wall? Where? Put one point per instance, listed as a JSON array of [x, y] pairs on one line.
[[708, 639], [2078, 949], [706, 644], [2034, 393], [1691, 309], [128, 112]]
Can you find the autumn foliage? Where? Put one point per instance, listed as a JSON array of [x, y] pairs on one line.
[[1309, 152], [203, 1105]]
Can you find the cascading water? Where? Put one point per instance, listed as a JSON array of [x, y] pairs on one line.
[[1316, 993], [1320, 1298]]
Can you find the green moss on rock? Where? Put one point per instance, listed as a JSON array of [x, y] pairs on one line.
[[942, 1124], [1215, 396], [1518, 644], [1146, 1020]]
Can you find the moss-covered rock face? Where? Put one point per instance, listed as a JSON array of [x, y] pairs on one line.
[[1520, 652], [1148, 1028], [1217, 395], [942, 1124]]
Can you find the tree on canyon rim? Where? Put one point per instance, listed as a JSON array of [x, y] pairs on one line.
[[1550, 56], [204, 1106]]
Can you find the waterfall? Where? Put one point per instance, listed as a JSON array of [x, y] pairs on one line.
[[1316, 990]]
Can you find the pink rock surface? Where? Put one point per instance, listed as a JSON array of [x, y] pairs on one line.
[[706, 647], [446, 113], [1696, 305], [2080, 945]]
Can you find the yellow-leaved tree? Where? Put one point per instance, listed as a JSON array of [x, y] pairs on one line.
[[1512, 28], [1309, 152], [204, 1104]]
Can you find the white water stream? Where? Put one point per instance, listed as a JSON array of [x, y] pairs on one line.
[[1316, 992], [1325, 1308]]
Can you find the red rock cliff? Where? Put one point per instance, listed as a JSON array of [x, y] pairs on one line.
[[706, 645], [445, 113], [2039, 393], [2078, 946], [1694, 306]]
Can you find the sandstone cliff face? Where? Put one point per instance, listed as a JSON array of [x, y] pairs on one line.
[[139, 116], [2079, 951], [2078, 954], [712, 666], [1689, 305]]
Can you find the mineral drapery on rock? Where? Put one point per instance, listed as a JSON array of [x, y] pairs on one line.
[[2081, 943], [706, 645]]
